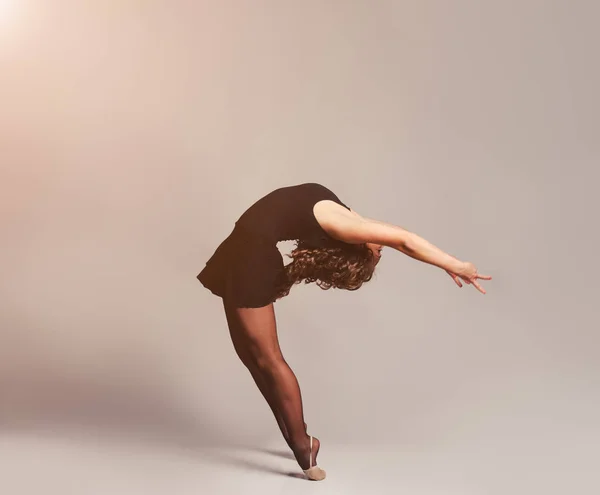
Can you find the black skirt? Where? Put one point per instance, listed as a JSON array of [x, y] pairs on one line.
[[244, 270]]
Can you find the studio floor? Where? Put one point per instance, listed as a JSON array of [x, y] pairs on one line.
[[48, 462]]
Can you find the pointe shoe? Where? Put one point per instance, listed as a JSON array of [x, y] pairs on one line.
[[313, 473]]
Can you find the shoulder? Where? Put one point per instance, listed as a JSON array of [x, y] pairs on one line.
[[330, 215], [327, 208]]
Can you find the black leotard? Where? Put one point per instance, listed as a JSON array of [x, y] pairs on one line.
[[246, 266]]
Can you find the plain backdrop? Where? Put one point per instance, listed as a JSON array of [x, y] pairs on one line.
[[133, 135]]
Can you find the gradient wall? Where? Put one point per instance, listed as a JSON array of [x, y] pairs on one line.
[[133, 134]]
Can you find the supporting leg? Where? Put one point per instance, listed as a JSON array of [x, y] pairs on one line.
[[267, 394], [254, 334]]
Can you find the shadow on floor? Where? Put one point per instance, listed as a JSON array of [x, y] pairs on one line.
[[77, 409]]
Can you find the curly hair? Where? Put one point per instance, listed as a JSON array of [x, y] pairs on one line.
[[342, 266]]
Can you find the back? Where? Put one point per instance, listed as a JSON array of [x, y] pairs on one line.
[[287, 214]]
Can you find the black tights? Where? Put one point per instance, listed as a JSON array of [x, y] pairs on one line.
[[254, 335]]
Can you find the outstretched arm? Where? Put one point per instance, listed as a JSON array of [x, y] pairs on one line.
[[352, 228], [408, 243]]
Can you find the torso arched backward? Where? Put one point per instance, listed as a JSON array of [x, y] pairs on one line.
[[246, 266]]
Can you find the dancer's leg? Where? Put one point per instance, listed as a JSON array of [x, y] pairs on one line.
[[246, 358], [254, 335], [264, 389]]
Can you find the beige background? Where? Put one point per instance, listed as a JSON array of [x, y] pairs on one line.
[[133, 135]]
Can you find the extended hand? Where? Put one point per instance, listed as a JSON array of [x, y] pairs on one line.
[[469, 275]]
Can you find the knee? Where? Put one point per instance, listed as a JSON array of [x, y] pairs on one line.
[[268, 362], [258, 360]]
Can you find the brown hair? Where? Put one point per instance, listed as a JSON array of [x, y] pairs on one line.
[[342, 266]]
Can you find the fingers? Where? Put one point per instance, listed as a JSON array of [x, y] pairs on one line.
[[470, 281], [478, 287], [475, 284], [455, 278]]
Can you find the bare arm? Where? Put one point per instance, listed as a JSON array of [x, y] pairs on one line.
[[349, 226], [359, 229]]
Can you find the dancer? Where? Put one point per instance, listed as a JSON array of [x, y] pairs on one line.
[[335, 247]]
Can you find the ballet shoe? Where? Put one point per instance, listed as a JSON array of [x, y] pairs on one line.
[[313, 473]]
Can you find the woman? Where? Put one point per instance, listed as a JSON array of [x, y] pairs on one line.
[[336, 247]]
